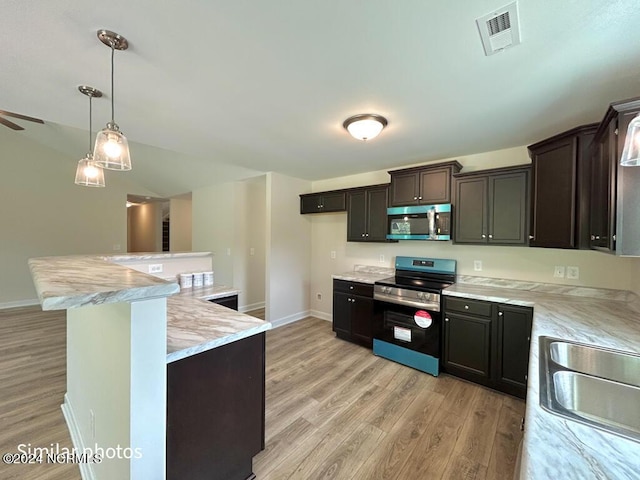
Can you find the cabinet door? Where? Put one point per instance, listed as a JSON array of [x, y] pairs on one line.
[[310, 203], [362, 319], [377, 214], [467, 347], [333, 202], [471, 210], [342, 313], [553, 202], [603, 191], [404, 189], [514, 335], [435, 186], [356, 216], [508, 208]]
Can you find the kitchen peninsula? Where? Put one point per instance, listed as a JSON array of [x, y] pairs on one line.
[[148, 370]]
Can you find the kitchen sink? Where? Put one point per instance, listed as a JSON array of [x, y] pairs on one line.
[[600, 362], [596, 386]]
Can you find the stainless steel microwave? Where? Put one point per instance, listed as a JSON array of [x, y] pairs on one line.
[[420, 222]]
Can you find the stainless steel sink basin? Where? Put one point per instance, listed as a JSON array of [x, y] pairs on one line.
[[596, 386], [600, 362]]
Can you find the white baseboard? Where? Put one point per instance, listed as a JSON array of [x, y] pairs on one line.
[[321, 315], [20, 303], [290, 319], [251, 306], [86, 469]]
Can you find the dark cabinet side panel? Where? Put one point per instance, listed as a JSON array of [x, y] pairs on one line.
[[470, 210], [553, 184]]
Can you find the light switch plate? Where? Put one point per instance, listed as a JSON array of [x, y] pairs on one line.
[[333, 254], [156, 268]]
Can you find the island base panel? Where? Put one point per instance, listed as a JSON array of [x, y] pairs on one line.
[[215, 412]]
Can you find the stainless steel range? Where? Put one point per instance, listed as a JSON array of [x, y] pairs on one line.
[[410, 326]]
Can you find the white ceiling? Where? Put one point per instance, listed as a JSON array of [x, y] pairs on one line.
[[239, 87]]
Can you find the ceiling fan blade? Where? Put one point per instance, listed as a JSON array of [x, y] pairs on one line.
[[9, 124], [21, 117]]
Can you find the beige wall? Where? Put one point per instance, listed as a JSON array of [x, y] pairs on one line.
[[329, 233], [43, 213], [288, 260], [635, 275], [145, 228], [229, 220], [180, 238]]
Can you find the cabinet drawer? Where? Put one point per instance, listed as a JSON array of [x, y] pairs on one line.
[[355, 288], [470, 307]]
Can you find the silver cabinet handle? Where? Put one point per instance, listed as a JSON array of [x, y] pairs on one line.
[[419, 198], [363, 234], [366, 234], [446, 319], [466, 307], [484, 236], [500, 314], [415, 198], [531, 237], [597, 237], [593, 237], [350, 287], [490, 236]]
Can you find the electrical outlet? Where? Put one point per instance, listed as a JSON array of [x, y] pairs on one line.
[[116, 247], [333, 254], [477, 265], [319, 296], [558, 272], [381, 258], [252, 251], [573, 273], [92, 425], [156, 268], [228, 252]]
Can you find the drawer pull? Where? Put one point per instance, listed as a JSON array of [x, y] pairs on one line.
[[466, 307]]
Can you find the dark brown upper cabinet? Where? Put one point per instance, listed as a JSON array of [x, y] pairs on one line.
[[426, 185], [492, 206], [560, 189], [615, 192], [322, 202], [367, 214]]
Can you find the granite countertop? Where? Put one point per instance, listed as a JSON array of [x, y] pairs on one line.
[[152, 256], [209, 292], [365, 274], [79, 280], [195, 325], [555, 447]]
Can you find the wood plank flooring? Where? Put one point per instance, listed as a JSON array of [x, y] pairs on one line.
[[333, 409], [336, 411]]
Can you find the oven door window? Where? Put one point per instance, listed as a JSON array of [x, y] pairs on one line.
[[401, 328]]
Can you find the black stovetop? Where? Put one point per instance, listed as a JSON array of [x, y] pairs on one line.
[[433, 285]]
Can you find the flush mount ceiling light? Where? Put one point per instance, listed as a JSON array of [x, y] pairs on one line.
[[88, 174], [631, 153], [112, 149], [365, 126]]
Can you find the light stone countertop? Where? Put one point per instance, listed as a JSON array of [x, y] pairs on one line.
[[195, 326], [554, 447], [80, 280], [209, 292], [125, 257], [365, 274]]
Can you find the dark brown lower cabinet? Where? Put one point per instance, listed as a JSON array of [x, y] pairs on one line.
[[353, 311], [229, 302], [215, 412], [487, 343]]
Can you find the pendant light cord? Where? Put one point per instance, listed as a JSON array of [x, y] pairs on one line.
[[113, 50], [90, 116]]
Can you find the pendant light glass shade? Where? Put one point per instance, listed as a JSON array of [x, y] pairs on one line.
[[366, 126], [111, 150], [631, 153], [88, 174]]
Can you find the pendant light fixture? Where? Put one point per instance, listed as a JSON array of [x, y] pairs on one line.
[[631, 152], [365, 126], [88, 174], [112, 149]]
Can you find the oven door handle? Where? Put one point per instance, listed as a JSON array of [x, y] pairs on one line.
[[383, 297]]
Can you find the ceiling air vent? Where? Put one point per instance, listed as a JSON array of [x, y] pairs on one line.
[[499, 29]]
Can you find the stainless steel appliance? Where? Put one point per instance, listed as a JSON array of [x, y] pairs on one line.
[[411, 322], [419, 222]]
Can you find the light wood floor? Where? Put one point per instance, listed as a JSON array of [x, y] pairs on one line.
[[333, 409]]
